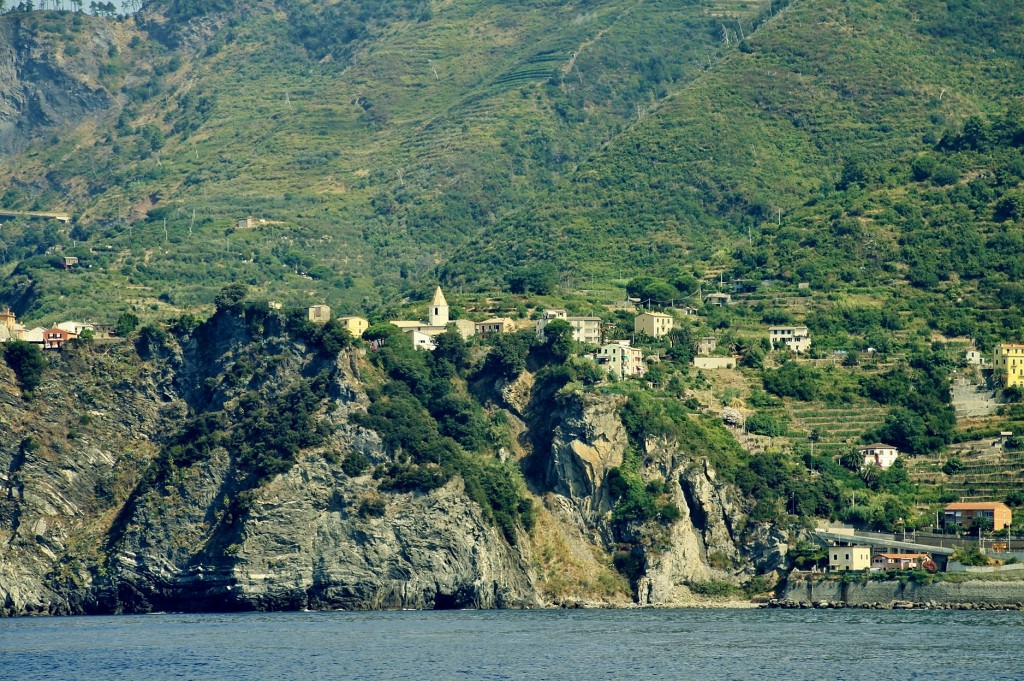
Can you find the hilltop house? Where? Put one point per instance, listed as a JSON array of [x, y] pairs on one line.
[[436, 324], [355, 325], [10, 329], [621, 359], [494, 325], [899, 561], [796, 338], [845, 558], [320, 314], [584, 329], [1008, 363], [963, 513], [718, 299], [706, 345], [654, 324], [878, 454], [54, 339]]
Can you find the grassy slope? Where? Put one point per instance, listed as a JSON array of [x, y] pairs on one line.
[[371, 163], [823, 82]]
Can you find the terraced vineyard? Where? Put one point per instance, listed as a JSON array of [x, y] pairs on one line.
[[989, 472], [840, 427]]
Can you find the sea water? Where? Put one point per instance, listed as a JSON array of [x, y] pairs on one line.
[[538, 644]]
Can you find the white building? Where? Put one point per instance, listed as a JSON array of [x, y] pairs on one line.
[[584, 329], [796, 338], [878, 454], [843, 558], [621, 359]]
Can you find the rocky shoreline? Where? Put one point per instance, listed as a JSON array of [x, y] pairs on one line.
[[784, 604]]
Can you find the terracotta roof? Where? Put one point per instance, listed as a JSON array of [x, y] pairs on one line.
[[977, 505]]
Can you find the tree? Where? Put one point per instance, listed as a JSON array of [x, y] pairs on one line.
[[126, 323], [558, 339], [27, 362], [451, 348], [231, 297]]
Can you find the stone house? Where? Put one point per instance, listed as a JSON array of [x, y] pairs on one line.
[[849, 558], [706, 345], [494, 325], [654, 324], [718, 299], [320, 314], [878, 454], [621, 359], [796, 338]]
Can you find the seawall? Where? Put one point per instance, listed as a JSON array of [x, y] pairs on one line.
[[810, 589]]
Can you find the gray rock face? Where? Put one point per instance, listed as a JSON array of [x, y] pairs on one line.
[[81, 531], [42, 88], [588, 442]]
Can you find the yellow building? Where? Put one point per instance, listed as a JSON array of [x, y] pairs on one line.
[[843, 558], [1008, 363], [355, 325], [654, 324]]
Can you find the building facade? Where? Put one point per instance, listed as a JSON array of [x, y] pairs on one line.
[[494, 325], [355, 325], [963, 513], [1008, 363], [796, 338], [878, 454], [320, 314], [621, 359], [845, 558], [899, 561], [654, 324]]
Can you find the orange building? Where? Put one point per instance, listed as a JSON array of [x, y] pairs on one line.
[[963, 513]]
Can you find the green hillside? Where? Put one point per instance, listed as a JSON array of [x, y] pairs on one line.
[[821, 87], [380, 136]]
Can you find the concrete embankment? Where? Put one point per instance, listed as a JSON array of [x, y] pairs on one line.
[[832, 591]]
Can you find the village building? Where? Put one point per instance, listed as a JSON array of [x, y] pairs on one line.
[[706, 345], [437, 323], [36, 335], [961, 514], [584, 329], [688, 310], [320, 314], [878, 454], [1008, 363], [10, 329], [355, 325], [975, 357], [718, 299], [621, 359], [75, 327], [796, 338], [54, 339], [494, 325], [899, 561], [69, 261], [849, 558], [654, 324]]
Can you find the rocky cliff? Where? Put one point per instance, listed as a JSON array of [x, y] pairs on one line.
[[93, 520], [50, 73], [141, 476]]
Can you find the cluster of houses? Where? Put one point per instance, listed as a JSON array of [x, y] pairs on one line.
[[49, 338], [997, 515]]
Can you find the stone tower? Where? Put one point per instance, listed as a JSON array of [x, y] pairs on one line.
[[438, 309]]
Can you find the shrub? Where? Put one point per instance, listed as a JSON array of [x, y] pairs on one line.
[[26, 360], [355, 464]]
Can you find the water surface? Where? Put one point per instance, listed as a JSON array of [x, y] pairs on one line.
[[554, 644]]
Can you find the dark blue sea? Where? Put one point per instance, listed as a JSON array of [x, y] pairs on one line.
[[554, 644]]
